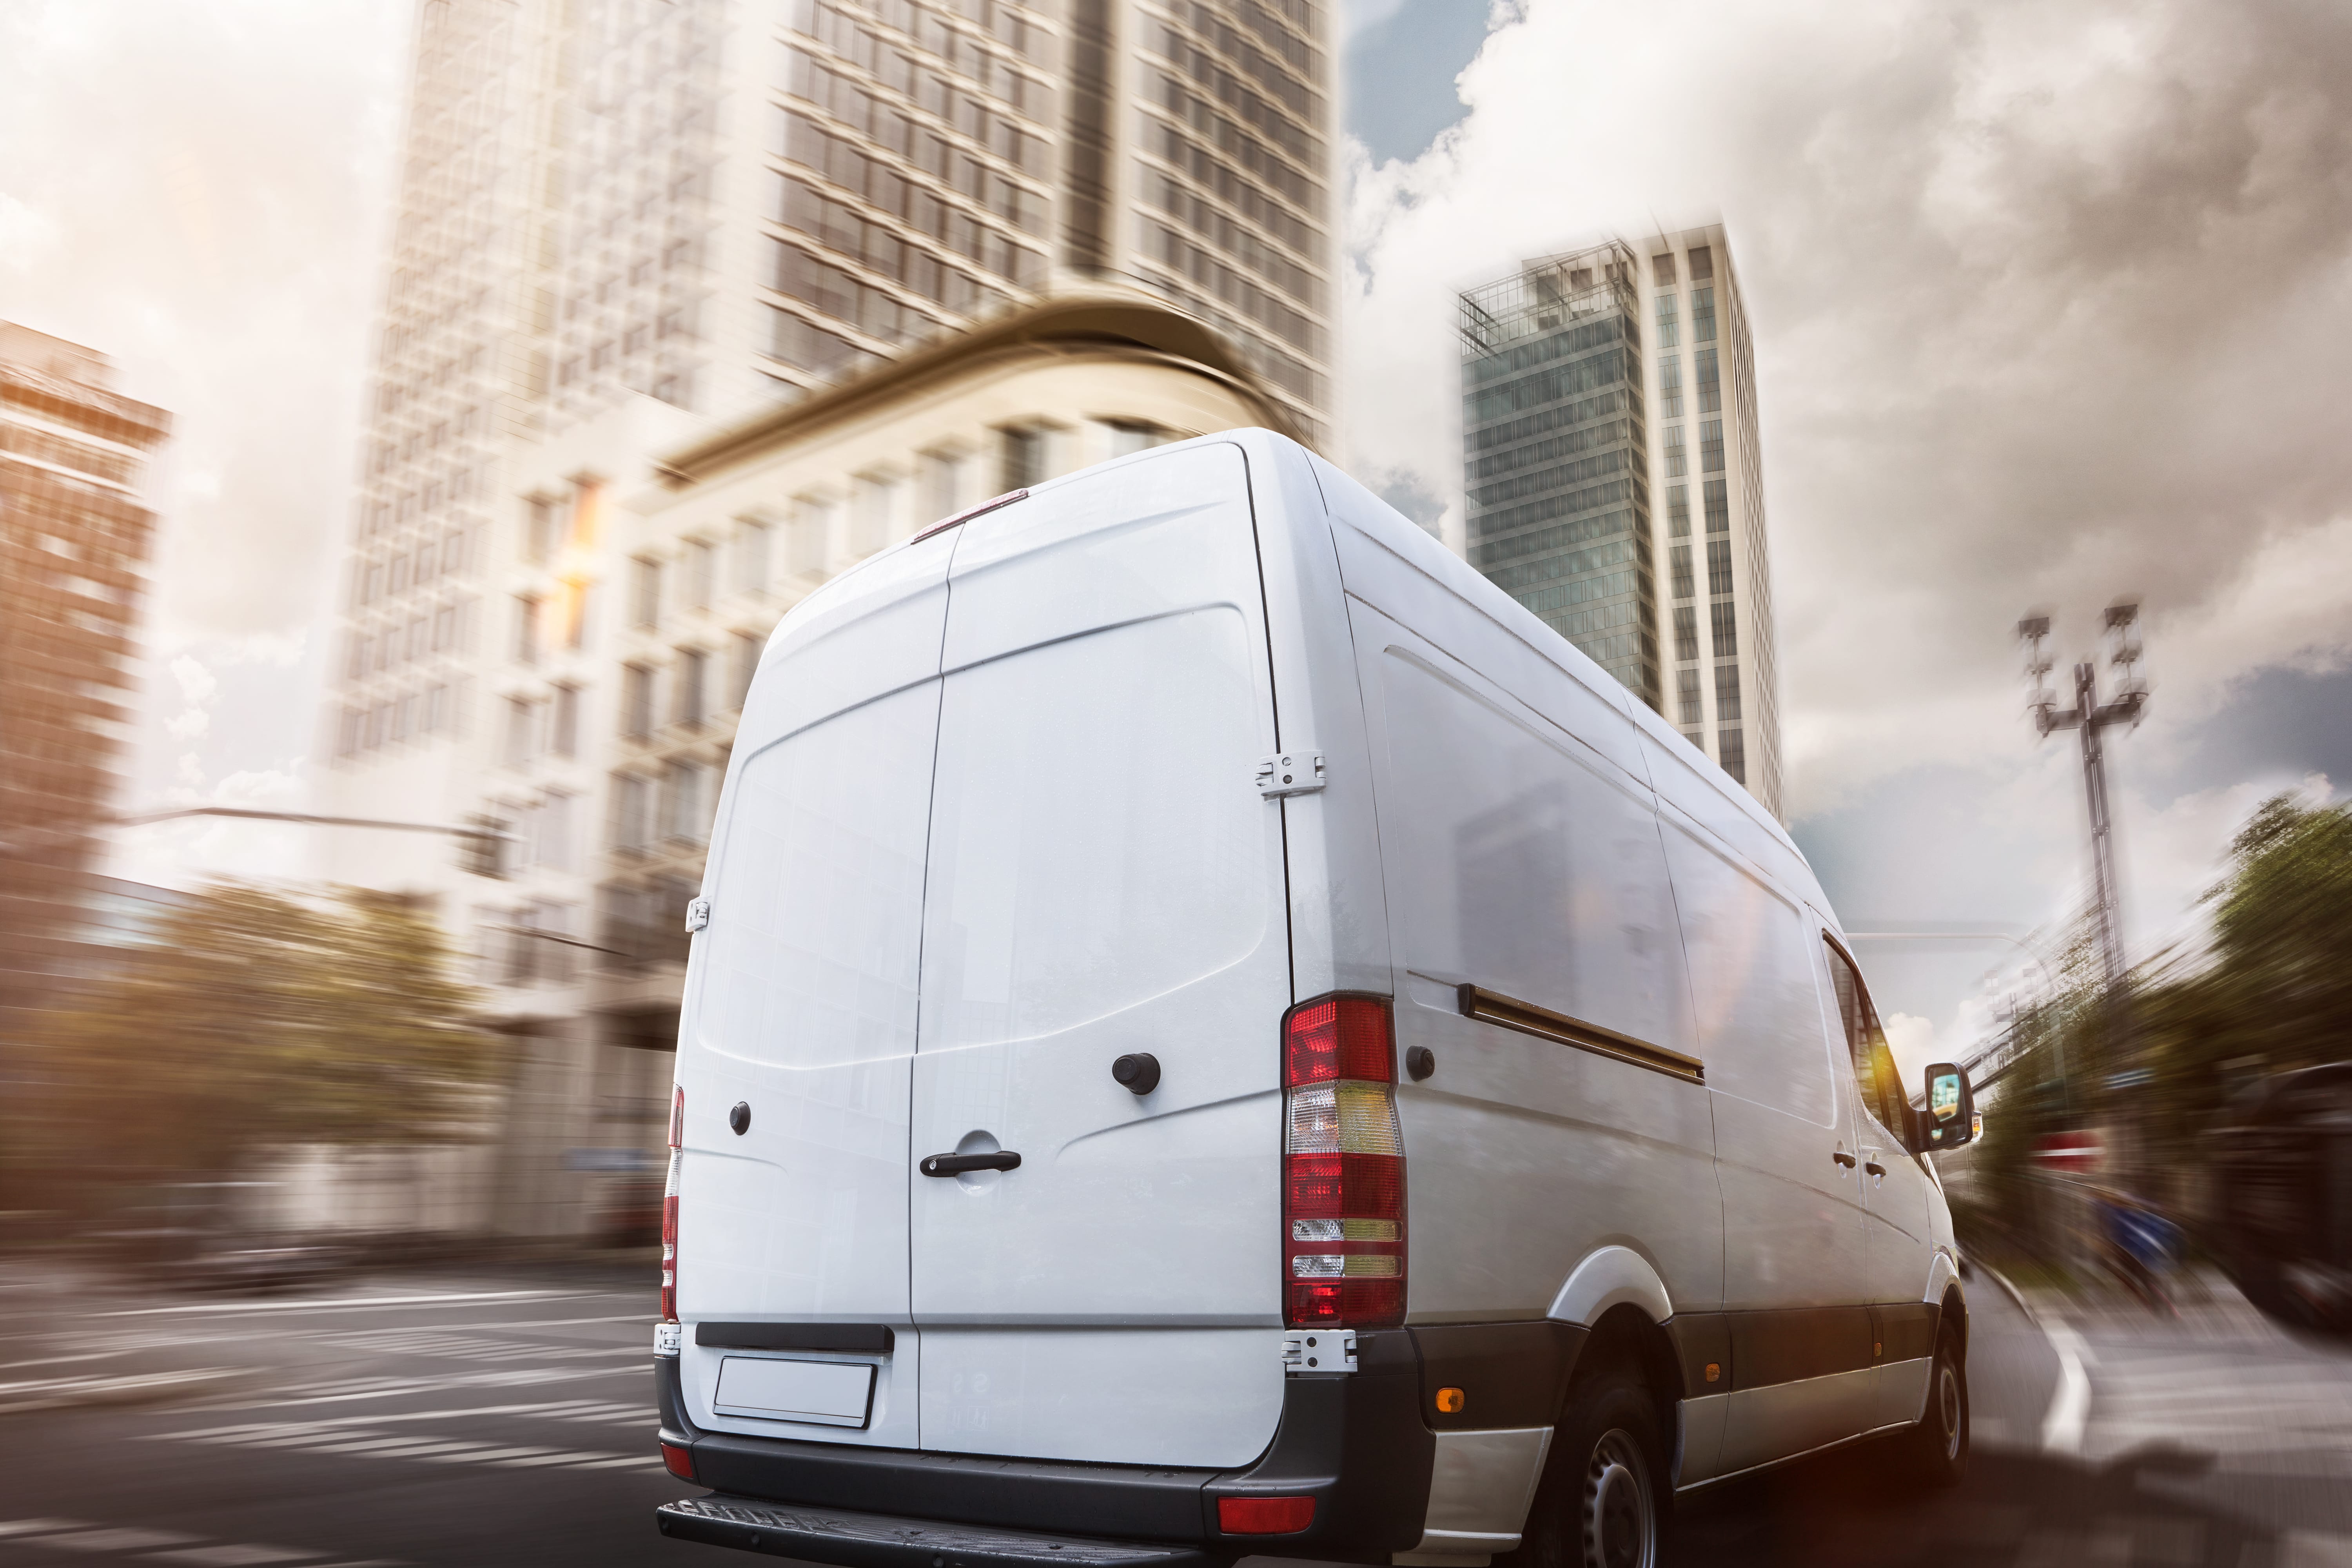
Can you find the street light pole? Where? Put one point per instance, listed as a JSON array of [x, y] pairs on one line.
[[2092, 717]]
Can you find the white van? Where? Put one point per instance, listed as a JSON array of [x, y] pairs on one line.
[[1214, 1032]]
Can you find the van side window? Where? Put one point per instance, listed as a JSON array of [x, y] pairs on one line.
[[1873, 1062]]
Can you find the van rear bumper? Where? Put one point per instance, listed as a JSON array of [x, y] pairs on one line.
[[871, 1541], [1355, 1442]]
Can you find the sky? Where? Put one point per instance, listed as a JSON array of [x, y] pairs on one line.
[[2050, 300]]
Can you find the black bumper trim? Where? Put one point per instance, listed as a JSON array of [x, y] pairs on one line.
[[848, 1540]]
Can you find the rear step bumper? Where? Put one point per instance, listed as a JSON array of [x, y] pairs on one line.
[[1355, 1442], [873, 1541]]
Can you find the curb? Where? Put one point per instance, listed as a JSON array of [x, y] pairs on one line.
[[2069, 1413]]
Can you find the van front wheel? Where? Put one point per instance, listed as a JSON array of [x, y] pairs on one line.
[[1603, 1500]]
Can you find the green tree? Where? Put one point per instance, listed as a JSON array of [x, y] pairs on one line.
[[259, 1020]]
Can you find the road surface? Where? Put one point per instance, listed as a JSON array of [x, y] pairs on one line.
[[504, 1416]]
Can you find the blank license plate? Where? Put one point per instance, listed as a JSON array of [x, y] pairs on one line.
[[830, 1392]]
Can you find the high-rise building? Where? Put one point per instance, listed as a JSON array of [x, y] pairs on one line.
[[656, 218], [74, 540], [1615, 483]]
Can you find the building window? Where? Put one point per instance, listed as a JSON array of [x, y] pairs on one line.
[[540, 538], [436, 711], [356, 662], [751, 556], [1020, 450], [682, 811], [693, 664], [1686, 698], [1727, 693], [700, 563], [521, 720], [1687, 632], [1679, 567], [553, 822], [1670, 326], [1718, 567], [403, 718], [565, 740], [941, 474], [1670, 386], [872, 500], [1131, 436], [346, 734], [1719, 508], [812, 535], [1710, 388], [1702, 312], [1678, 510], [645, 592], [445, 628], [631, 824], [1725, 614], [1702, 263], [637, 701], [1662, 269], [1731, 751], [747, 665], [527, 608], [1678, 456], [1710, 446]]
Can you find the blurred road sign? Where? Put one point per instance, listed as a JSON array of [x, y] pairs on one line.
[[2081, 1152]]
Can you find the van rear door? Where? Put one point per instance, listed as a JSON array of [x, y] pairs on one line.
[[1104, 880], [800, 1008]]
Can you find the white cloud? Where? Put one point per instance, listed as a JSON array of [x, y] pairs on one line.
[[190, 724], [197, 684], [2048, 301]]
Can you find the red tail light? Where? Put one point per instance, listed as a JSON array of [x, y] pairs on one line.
[[1343, 1241], [1263, 1515], [669, 1221]]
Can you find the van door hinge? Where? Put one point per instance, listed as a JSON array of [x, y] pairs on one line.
[[1293, 773], [1324, 1350], [698, 915]]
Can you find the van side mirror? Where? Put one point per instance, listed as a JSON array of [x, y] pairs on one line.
[[1949, 1117]]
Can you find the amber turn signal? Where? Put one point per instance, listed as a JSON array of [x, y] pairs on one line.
[[1450, 1401], [1713, 1372]]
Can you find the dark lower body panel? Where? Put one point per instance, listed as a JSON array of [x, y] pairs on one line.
[[1355, 1442]]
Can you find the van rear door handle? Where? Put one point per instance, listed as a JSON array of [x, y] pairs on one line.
[[1840, 1156], [957, 1164]]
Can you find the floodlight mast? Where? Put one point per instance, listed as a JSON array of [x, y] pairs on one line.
[[2092, 718]]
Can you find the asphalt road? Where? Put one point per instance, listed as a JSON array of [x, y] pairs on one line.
[[504, 1416]]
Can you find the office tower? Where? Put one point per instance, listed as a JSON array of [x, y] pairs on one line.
[[615, 203], [1615, 484], [627, 225], [74, 538]]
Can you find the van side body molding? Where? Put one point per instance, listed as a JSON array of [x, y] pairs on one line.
[[1608, 1276]]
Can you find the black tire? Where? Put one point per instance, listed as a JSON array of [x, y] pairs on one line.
[[1606, 1499], [1938, 1446]]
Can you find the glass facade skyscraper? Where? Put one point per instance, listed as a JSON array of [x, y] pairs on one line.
[[1554, 444], [1614, 479]]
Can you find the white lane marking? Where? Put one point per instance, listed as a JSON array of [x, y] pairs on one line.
[[350, 1390], [349, 1303], [14, 1527], [331, 1438], [119, 1540], [237, 1556], [2070, 1405]]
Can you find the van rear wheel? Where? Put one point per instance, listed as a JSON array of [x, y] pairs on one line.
[[1605, 1497]]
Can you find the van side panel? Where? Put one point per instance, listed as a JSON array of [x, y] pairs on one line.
[[1525, 862]]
